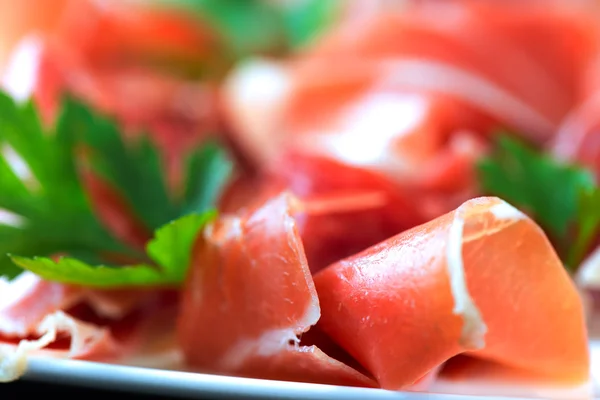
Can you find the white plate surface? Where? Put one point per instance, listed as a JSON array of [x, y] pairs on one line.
[[188, 385]]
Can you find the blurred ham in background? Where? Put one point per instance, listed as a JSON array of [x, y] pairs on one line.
[[121, 57], [376, 126], [382, 119]]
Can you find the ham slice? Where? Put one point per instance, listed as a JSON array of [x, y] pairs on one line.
[[33, 308], [38, 317], [397, 311], [577, 140], [482, 280], [410, 112], [413, 50], [124, 61], [250, 296], [87, 341]]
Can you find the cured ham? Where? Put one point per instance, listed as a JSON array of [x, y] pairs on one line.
[[577, 139], [17, 20], [407, 51], [352, 248], [410, 112], [130, 62], [234, 321], [406, 305], [55, 320], [400, 308]]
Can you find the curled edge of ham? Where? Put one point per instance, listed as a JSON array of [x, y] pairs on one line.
[[86, 341], [274, 350], [32, 307], [474, 324]]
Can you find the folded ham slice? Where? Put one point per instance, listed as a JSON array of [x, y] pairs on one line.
[[250, 296], [482, 280]]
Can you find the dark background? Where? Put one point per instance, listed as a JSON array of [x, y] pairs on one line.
[[19, 390]]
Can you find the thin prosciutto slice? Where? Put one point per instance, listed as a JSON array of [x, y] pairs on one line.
[[401, 105], [578, 139], [526, 82], [250, 296], [481, 280], [41, 317]]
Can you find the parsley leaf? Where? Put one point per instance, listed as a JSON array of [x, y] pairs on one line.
[[207, 170], [588, 224], [261, 26], [42, 191], [560, 197], [537, 182], [48, 201], [247, 26], [136, 169], [304, 21], [170, 250], [172, 245]]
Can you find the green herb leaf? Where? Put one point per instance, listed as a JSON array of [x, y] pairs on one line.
[[72, 271], [172, 245], [135, 170], [261, 26], [535, 182], [588, 224], [247, 26], [50, 210], [305, 20], [559, 196], [49, 207], [207, 171], [170, 250]]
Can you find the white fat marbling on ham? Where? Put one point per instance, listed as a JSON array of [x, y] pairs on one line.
[[572, 133], [274, 341], [27, 299], [383, 118], [268, 344], [588, 275], [85, 338], [504, 211], [256, 92], [21, 73], [470, 88], [474, 328]]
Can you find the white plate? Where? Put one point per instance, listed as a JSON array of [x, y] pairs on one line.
[[188, 385]]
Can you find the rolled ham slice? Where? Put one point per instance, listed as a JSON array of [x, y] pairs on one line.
[[482, 280], [249, 298]]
